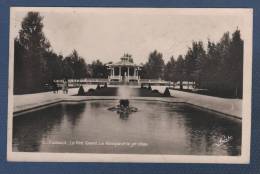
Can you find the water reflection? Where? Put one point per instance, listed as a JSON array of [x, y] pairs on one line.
[[207, 130], [165, 128], [74, 112], [42, 122], [123, 115], [30, 130]]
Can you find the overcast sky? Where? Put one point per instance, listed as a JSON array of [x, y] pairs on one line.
[[107, 34]]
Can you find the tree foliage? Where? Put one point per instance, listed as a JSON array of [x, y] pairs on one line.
[[179, 70], [154, 68], [98, 70], [35, 64], [169, 73], [74, 66], [30, 48], [218, 69]]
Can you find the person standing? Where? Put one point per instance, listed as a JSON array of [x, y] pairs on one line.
[[55, 88], [65, 86]]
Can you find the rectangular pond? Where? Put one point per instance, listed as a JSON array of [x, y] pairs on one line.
[[156, 128]]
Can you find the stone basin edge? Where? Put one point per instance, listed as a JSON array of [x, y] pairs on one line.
[[20, 110]]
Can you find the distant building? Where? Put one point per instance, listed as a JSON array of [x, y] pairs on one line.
[[124, 71]]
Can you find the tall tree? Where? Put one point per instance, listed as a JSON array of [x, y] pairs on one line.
[[220, 69], [54, 66], [179, 70], [193, 59], [169, 70], [74, 66], [208, 66], [236, 70], [19, 66], [99, 70], [67, 68], [32, 40], [199, 62], [78, 65], [155, 65]]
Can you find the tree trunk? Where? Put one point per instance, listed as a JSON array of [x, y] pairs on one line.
[[236, 92], [181, 86]]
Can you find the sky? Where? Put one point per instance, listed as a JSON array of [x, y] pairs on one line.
[[107, 33]]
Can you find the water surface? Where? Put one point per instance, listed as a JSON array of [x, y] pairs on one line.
[[157, 128]]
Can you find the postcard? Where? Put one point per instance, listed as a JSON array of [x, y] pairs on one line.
[[157, 85]]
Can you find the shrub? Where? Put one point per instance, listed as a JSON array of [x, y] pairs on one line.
[[98, 86], [91, 90], [155, 91], [149, 86], [81, 91], [167, 93]]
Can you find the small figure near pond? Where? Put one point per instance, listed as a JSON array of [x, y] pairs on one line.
[[98, 86], [65, 86], [54, 87]]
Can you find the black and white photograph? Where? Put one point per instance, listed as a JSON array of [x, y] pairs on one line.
[[162, 85]]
